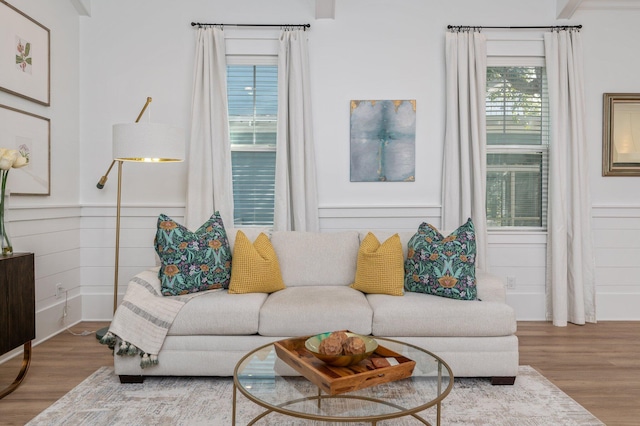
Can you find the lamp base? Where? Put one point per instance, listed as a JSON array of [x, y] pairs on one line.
[[100, 333]]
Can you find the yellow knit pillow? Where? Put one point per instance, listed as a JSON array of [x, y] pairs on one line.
[[380, 267], [254, 267]]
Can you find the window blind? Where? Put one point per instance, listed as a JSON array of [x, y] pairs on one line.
[[517, 120], [254, 175], [253, 104], [252, 92]]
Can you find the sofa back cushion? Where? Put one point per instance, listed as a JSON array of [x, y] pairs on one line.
[[316, 258]]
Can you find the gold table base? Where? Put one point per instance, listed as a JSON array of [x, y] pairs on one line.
[[320, 397], [26, 361]]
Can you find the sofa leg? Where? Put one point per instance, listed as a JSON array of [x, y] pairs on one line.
[[131, 379], [503, 380]]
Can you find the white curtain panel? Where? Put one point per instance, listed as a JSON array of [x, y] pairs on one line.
[[296, 195], [465, 162], [209, 179], [570, 259]]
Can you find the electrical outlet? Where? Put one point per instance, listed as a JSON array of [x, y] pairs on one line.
[[59, 290], [511, 282]]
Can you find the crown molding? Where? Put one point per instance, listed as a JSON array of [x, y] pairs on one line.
[[609, 4], [566, 8], [83, 7]]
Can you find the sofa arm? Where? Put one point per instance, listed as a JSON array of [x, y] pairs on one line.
[[491, 287]]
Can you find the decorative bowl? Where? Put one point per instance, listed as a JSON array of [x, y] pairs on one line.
[[313, 343]]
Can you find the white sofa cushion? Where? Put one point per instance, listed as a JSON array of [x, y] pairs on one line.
[[301, 311], [418, 314], [219, 313], [491, 288], [315, 258]]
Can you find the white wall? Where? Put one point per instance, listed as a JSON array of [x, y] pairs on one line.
[[103, 67], [610, 63], [49, 226], [374, 49], [62, 20]]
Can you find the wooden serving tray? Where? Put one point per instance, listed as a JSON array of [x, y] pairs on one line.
[[336, 380]]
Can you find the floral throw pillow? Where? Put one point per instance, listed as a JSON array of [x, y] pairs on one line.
[[442, 266], [192, 261]]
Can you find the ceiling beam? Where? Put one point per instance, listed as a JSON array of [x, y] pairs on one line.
[[325, 9], [566, 8], [82, 6]]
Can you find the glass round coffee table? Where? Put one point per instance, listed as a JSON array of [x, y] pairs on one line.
[[268, 381]]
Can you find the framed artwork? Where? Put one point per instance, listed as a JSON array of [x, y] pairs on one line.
[[383, 134], [30, 134], [24, 56], [621, 134]]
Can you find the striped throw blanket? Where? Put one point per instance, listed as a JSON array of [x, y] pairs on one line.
[[143, 319]]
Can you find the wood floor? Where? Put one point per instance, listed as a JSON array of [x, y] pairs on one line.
[[598, 365]]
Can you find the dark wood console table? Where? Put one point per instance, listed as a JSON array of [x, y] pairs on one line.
[[17, 310]]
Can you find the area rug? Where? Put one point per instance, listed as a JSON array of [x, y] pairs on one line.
[[102, 400]]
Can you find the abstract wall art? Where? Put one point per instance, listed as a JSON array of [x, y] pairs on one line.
[[383, 134]]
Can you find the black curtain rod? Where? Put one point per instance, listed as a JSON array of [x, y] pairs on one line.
[[549, 27], [200, 25]]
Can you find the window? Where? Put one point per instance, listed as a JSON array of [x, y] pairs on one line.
[[517, 146], [252, 92]]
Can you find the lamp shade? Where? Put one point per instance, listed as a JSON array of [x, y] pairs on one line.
[[148, 142]]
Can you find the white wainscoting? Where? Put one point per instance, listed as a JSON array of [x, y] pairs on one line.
[[52, 233], [75, 246], [617, 251], [137, 230], [520, 255], [138, 225], [385, 218]]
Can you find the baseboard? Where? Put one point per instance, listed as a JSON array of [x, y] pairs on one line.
[[617, 306], [50, 321], [97, 307], [528, 306], [609, 306]]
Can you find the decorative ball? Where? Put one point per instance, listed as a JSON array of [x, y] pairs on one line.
[[354, 346], [330, 346], [340, 335]]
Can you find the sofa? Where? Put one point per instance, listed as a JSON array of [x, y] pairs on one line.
[[212, 331]]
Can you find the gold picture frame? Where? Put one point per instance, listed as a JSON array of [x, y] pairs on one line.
[[25, 64], [621, 134]]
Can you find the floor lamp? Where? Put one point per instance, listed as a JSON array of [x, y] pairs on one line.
[[139, 142]]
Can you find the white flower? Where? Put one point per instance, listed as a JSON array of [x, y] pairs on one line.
[[6, 162], [20, 162], [12, 158]]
